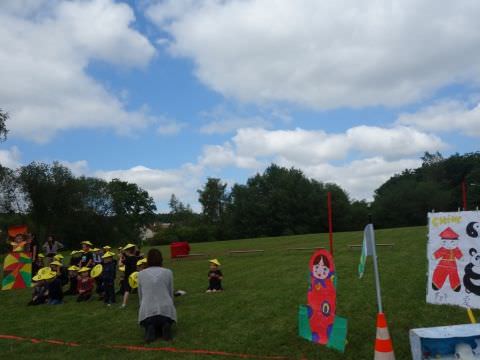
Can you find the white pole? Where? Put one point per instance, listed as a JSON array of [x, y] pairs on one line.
[[375, 267]]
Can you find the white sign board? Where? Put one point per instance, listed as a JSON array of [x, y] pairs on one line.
[[453, 253]]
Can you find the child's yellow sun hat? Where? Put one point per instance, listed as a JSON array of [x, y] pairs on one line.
[[86, 242], [44, 270], [49, 275], [107, 247], [96, 271], [41, 256], [83, 269], [56, 263], [214, 261], [73, 268], [133, 280], [37, 277], [108, 254], [141, 262], [128, 246], [58, 257]]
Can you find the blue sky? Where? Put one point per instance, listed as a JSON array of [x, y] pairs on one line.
[[167, 93]]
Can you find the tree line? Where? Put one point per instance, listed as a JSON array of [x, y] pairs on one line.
[[51, 200], [283, 201]]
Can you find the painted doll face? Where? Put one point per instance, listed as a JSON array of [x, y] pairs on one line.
[[449, 244], [320, 271]]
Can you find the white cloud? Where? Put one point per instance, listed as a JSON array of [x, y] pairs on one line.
[[44, 54], [219, 156], [360, 178], [444, 116], [10, 158], [159, 183], [232, 124], [325, 54], [78, 168], [307, 147]]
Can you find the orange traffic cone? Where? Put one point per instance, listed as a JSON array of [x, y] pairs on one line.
[[383, 343]]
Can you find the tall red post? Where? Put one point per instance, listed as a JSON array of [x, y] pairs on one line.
[[464, 195], [330, 221]]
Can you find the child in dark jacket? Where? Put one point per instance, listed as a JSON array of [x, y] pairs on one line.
[[72, 280], [84, 285], [40, 291], [55, 292], [215, 277], [108, 277]]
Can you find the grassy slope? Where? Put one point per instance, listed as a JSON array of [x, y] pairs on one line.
[[258, 312]]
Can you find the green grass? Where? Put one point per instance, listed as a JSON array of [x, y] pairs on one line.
[[257, 314]]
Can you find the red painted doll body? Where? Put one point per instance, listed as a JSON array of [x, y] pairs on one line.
[[321, 296], [448, 254]]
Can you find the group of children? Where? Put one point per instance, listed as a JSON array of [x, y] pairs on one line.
[[89, 269], [95, 268]]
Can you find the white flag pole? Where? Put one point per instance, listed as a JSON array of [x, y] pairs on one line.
[[375, 266]]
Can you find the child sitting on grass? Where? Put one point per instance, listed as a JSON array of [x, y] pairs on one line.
[[55, 292], [108, 277], [85, 284], [40, 291], [73, 280], [215, 277]]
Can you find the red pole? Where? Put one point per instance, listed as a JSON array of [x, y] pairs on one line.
[[464, 195], [330, 222]]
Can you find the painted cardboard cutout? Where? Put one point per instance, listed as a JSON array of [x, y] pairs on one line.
[[317, 320], [453, 254]]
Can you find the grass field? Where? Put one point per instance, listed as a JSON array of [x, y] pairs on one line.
[[257, 314]]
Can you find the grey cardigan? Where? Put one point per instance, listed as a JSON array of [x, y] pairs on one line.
[[155, 293]]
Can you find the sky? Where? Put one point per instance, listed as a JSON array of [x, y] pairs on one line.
[[168, 93]]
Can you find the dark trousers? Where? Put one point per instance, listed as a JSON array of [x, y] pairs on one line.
[[109, 288], [38, 300], [156, 326]]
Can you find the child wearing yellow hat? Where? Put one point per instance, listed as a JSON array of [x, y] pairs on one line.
[[40, 291], [86, 259], [55, 292], [108, 277], [141, 264], [72, 280], [85, 284], [38, 264], [215, 276], [129, 259]]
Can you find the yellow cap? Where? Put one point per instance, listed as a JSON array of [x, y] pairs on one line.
[[108, 254], [41, 256], [58, 257], [96, 271], [44, 270], [128, 246], [106, 247], [121, 268], [57, 263], [133, 280], [214, 261], [73, 268], [141, 262], [95, 249], [83, 269], [86, 243]]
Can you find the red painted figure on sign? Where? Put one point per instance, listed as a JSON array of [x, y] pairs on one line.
[[321, 296], [448, 254]]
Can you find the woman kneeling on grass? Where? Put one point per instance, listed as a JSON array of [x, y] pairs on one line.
[[155, 292]]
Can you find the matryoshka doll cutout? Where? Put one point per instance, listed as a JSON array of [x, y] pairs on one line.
[[321, 296]]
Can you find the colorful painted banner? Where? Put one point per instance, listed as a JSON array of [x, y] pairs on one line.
[[17, 271], [453, 253]]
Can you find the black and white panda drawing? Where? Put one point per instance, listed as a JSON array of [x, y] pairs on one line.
[[473, 229], [471, 279]]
